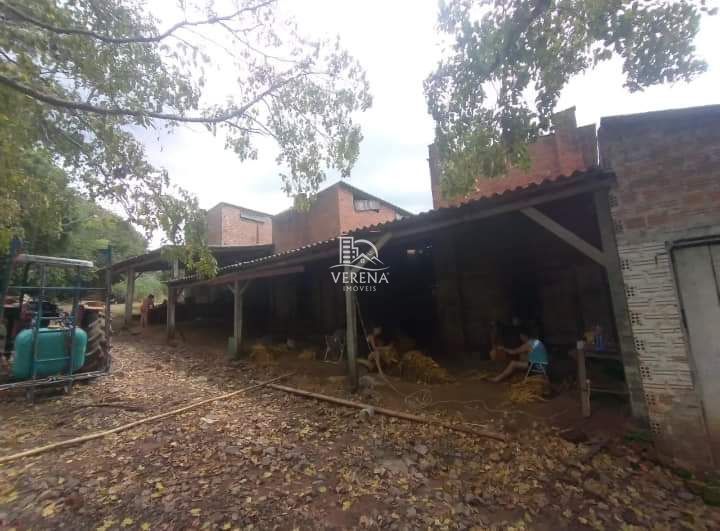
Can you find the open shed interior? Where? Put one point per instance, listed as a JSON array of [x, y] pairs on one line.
[[452, 293]]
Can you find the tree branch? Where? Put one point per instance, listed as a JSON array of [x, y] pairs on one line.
[[119, 111], [140, 39]]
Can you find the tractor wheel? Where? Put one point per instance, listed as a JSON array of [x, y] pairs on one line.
[[97, 346]]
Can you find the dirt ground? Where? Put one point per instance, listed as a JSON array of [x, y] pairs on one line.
[[267, 459]]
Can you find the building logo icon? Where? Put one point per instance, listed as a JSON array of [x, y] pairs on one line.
[[359, 254], [361, 265]]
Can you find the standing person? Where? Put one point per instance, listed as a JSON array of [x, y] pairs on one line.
[[532, 349], [147, 305]]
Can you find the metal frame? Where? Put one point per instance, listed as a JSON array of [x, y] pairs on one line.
[[45, 262]]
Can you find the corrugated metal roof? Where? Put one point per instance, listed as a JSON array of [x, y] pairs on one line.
[[427, 217]]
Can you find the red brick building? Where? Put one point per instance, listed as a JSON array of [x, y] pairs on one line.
[[568, 149], [335, 210], [232, 225]]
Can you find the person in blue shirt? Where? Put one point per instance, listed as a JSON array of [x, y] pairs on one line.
[[531, 350]]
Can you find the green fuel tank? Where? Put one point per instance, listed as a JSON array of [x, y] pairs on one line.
[[52, 352]]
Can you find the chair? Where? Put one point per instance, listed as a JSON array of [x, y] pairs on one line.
[[335, 347], [535, 367]]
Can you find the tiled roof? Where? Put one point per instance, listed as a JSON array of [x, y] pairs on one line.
[[418, 220]]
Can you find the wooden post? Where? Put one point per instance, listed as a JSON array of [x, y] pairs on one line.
[[351, 335], [108, 306], [631, 363], [583, 383], [238, 289], [237, 319], [351, 339], [129, 296], [171, 302]]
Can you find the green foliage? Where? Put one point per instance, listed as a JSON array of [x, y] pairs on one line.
[[145, 284], [54, 219], [510, 59], [79, 78]]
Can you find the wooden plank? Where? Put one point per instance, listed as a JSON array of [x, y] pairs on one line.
[[129, 296], [631, 361], [565, 235]]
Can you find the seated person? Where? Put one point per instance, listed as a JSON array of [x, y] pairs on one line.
[[532, 349]]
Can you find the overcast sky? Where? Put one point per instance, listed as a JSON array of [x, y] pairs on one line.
[[396, 42]]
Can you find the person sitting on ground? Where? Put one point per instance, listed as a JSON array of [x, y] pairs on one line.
[[147, 305], [532, 349]]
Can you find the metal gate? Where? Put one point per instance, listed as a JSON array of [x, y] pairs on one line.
[[697, 267]]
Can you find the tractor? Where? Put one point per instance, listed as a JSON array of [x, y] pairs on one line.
[[45, 344]]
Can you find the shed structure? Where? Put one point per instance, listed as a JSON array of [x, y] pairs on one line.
[[544, 252]]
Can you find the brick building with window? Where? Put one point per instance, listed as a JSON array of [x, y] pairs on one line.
[[336, 210]]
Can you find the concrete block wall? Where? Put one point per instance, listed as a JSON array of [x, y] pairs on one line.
[[668, 189]]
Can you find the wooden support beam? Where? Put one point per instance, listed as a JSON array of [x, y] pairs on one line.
[[566, 235], [491, 211], [631, 362], [173, 294], [583, 383], [171, 304], [270, 271], [351, 339], [129, 296], [382, 240], [246, 285], [235, 344]]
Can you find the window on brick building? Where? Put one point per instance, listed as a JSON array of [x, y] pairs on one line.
[[364, 205]]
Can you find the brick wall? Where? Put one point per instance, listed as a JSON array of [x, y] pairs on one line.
[[351, 219], [294, 228], [331, 213], [568, 149], [668, 188], [214, 225], [232, 225]]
